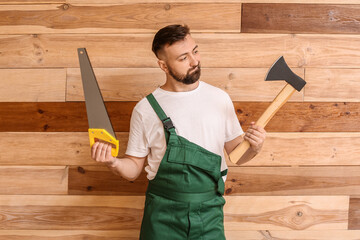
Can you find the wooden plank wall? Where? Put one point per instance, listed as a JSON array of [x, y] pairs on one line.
[[305, 184]]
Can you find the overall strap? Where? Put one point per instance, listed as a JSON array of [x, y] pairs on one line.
[[168, 125]]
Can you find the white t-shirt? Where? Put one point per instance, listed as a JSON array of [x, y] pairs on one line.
[[204, 116]]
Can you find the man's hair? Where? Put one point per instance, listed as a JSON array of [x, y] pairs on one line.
[[169, 35]]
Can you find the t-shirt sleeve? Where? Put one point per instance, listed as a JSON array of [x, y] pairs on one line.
[[137, 143], [232, 125]]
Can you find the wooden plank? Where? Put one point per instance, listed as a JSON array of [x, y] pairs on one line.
[[11, 2], [69, 234], [354, 214], [218, 50], [134, 235], [124, 213], [115, 83], [92, 180], [241, 181], [57, 149], [70, 148], [46, 212], [308, 149], [32, 85], [286, 213], [71, 116], [236, 1], [332, 85], [58, 117], [300, 18], [242, 84], [33, 180], [291, 235], [302, 117], [119, 18], [290, 181]]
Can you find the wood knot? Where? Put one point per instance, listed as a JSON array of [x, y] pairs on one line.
[[46, 127], [81, 170], [89, 188], [228, 191], [167, 7], [40, 111], [65, 6], [231, 76]]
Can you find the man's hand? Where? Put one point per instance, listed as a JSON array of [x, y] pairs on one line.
[[255, 135], [101, 152], [129, 167]]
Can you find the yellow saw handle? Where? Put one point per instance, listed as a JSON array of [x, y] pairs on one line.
[[103, 135]]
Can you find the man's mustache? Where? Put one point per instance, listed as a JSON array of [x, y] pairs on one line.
[[193, 68]]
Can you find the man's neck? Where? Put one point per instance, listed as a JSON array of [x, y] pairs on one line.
[[175, 86]]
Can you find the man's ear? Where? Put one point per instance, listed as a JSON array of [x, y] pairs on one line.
[[163, 66]]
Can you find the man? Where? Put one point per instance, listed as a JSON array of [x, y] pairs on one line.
[[181, 129]]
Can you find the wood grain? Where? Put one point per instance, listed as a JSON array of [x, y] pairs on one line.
[[354, 214], [286, 213], [302, 117], [92, 180], [55, 149], [308, 149], [58, 117], [134, 235], [175, 1], [118, 18], [241, 181], [290, 181], [70, 213], [217, 50], [33, 180], [69, 234], [72, 148], [11, 2], [124, 213], [32, 85], [71, 116], [300, 18], [242, 84], [328, 85], [292, 235]]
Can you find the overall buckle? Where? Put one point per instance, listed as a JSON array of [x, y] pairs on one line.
[[168, 123]]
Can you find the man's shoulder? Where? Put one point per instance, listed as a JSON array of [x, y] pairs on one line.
[[142, 106], [213, 90]]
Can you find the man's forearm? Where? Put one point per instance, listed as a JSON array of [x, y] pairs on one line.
[[126, 167]]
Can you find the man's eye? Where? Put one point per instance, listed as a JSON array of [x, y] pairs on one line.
[[183, 58], [196, 51]]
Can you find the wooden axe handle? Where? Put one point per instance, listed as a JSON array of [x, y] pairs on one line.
[[238, 155]]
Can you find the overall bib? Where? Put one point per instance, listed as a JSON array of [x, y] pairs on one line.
[[184, 200]]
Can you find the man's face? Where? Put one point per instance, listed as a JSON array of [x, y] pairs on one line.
[[183, 60]]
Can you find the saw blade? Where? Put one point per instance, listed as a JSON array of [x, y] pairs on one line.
[[97, 114]]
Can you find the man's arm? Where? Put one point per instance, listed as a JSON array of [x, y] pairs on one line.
[[128, 167], [255, 135]]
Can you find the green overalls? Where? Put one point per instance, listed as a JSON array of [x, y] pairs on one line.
[[184, 200]]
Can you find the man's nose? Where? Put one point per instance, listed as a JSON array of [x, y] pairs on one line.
[[194, 61]]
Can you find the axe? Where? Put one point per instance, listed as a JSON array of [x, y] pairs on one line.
[[278, 71]]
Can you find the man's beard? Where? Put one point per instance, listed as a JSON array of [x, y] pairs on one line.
[[189, 78]]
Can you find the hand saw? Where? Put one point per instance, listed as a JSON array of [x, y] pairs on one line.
[[100, 127]]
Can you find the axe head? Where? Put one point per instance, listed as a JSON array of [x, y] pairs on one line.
[[281, 71]]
